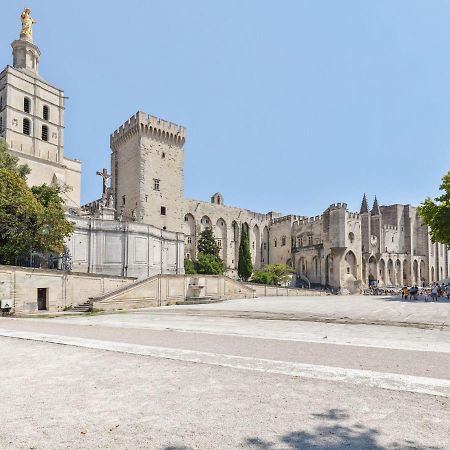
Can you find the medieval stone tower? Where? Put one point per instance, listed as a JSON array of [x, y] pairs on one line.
[[147, 171]]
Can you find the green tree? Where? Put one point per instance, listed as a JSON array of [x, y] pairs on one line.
[[208, 260], [10, 162], [273, 274], [54, 227], [436, 213], [207, 244], [189, 267], [245, 266], [30, 219], [20, 217], [208, 264]]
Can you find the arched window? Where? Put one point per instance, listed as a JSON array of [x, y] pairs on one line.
[[26, 104], [45, 112], [26, 126], [44, 132], [1, 124]]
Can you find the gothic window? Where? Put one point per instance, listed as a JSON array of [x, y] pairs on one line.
[[163, 210], [283, 241], [189, 240], [309, 240], [26, 126], [275, 243], [188, 256], [45, 112], [155, 184], [186, 218], [1, 102], [1, 124], [26, 105], [123, 199], [163, 155], [219, 243], [44, 132]]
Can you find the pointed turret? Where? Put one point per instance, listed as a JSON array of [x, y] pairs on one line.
[[364, 206], [376, 207]]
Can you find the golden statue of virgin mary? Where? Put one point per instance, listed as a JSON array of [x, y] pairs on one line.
[[27, 24]]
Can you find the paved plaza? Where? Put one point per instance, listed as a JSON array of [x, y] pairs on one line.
[[331, 372]]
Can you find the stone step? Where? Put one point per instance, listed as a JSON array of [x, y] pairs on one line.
[[200, 301]]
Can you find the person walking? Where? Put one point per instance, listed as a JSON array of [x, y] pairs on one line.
[[434, 292], [405, 292]]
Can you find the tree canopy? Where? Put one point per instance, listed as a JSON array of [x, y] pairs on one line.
[[436, 213], [208, 258], [207, 243], [10, 162], [276, 274], [30, 219]]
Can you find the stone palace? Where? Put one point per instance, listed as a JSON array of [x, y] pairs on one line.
[[143, 225]]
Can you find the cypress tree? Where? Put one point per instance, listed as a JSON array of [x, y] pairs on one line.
[[245, 266]]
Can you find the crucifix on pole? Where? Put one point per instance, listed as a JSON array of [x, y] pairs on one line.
[[105, 176]]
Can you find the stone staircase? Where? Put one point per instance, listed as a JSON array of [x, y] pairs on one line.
[[83, 307]]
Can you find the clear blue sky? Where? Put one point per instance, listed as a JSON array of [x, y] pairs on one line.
[[312, 101]]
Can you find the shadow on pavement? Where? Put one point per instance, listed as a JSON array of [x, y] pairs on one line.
[[419, 299], [332, 435]]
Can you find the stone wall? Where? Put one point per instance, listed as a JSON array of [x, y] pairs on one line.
[[122, 248], [263, 290], [226, 223], [20, 287]]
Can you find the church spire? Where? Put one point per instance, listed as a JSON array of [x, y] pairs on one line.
[[364, 206], [376, 207]]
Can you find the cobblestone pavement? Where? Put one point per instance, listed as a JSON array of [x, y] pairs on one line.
[[187, 377]]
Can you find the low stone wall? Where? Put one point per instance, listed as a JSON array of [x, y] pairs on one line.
[[264, 290], [169, 289], [22, 288]]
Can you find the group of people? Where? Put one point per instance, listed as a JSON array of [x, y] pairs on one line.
[[437, 290]]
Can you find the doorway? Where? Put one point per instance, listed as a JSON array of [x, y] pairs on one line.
[[42, 299]]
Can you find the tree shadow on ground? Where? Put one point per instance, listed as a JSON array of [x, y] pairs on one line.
[[398, 298], [330, 434]]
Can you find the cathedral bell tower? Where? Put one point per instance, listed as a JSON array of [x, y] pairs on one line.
[[32, 118]]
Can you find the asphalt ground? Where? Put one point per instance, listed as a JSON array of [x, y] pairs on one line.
[[181, 378]]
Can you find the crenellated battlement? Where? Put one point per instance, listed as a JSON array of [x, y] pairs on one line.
[[337, 206], [307, 220], [353, 215], [155, 127], [290, 218]]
